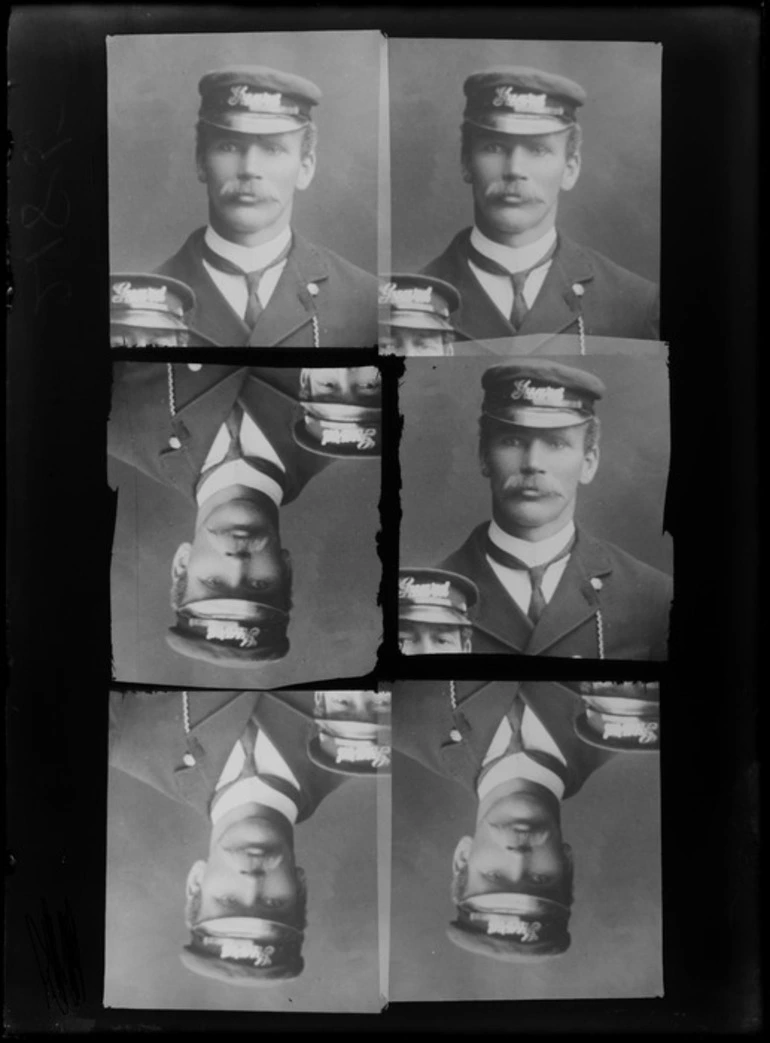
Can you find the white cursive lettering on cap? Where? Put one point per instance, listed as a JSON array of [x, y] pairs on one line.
[[361, 437], [528, 931], [125, 293], [403, 297], [540, 396], [409, 590], [256, 101], [645, 731], [510, 98], [228, 630], [244, 949]]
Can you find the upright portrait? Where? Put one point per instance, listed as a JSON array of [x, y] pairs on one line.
[[243, 189]]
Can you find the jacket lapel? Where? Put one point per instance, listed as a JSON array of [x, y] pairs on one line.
[[497, 614], [575, 600], [212, 316], [557, 307], [291, 306]]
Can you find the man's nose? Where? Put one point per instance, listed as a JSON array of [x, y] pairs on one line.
[[251, 162], [532, 458], [514, 164]]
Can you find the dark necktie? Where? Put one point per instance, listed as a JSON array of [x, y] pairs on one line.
[[537, 601], [254, 306], [518, 279]]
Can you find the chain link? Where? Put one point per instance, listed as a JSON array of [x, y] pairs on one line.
[[453, 694], [600, 632], [582, 334], [316, 333], [171, 389], [186, 712]]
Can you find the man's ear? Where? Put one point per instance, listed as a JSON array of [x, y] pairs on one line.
[[571, 171], [466, 174], [461, 853], [483, 462], [590, 466], [181, 560], [306, 171], [192, 891]]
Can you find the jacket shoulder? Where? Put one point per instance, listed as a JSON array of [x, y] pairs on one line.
[[643, 577], [447, 262], [617, 275], [182, 261], [340, 267]]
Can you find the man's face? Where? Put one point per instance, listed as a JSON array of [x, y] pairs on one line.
[[517, 847], [353, 706], [352, 385], [250, 871], [516, 180], [430, 638], [534, 475], [236, 553], [251, 180], [129, 337], [401, 341]]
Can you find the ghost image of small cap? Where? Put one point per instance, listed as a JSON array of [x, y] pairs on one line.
[[415, 315], [433, 611]]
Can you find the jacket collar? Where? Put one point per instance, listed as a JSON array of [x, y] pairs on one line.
[[575, 599], [555, 309]]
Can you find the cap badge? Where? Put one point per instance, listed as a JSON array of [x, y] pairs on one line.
[[408, 590], [361, 437], [227, 630], [510, 98], [403, 298], [528, 931], [645, 731], [264, 101], [377, 756], [136, 296], [539, 396], [243, 949]]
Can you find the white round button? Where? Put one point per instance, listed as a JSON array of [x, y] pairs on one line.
[[194, 366], [174, 442], [188, 760], [455, 736], [596, 583], [312, 289]]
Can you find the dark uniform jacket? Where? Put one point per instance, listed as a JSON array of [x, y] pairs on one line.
[[423, 720], [602, 588], [615, 302], [141, 425], [315, 281], [148, 741]]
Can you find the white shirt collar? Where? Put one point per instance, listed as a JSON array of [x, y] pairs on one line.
[[250, 258], [520, 766], [532, 553], [514, 258], [254, 791], [239, 472]]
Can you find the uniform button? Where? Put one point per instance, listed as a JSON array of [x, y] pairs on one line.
[[174, 442], [455, 736], [596, 583], [194, 366], [312, 289], [188, 760]]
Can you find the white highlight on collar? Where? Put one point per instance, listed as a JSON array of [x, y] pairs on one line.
[[532, 553]]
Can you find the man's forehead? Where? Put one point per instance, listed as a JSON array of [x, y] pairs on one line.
[[245, 139], [510, 140]]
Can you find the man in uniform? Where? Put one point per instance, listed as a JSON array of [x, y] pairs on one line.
[[238, 758], [148, 311], [433, 610], [513, 746], [516, 273], [415, 315], [223, 437], [547, 588], [257, 282]]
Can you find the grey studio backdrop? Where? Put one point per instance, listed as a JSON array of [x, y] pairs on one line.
[[444, 495], [152, 842], [155, 198], [330, 530], [615, 205], [613, 827]]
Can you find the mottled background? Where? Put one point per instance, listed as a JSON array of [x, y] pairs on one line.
[[156, 200], [615, 206], [330, 529], [613, 826], [444, 495], [152, 842]]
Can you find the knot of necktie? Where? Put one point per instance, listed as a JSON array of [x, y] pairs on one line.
[[518, 280], [536, 573], [253, 279]]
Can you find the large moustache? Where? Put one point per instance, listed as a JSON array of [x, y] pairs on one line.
[[232, 190], [513, 486], [497, 192]]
